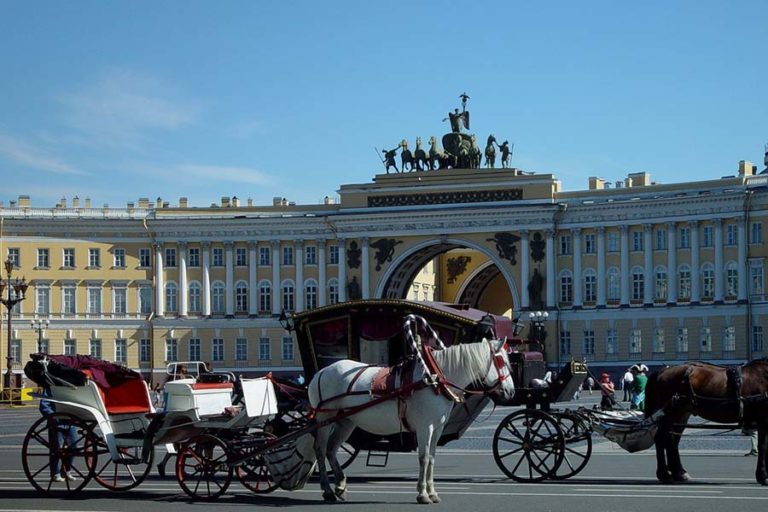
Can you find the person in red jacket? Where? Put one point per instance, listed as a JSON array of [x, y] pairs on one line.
[[607, 389]]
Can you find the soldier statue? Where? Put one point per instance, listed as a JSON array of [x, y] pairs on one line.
[[389, 159]]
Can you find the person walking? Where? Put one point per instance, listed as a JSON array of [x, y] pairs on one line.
[[60, 434], [639, 381], [626, 382], [607, 390], [590, 384]]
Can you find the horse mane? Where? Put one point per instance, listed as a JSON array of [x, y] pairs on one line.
[[465, 362]]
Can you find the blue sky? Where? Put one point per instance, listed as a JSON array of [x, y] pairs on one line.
[[116, 100]]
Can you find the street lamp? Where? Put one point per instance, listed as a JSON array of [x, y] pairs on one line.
[[40, 325], [537, 331], [17, 288]]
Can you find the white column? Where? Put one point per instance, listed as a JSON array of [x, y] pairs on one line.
[[625, 277], [276, 289], [577, 285], [159, 280], [206, 248], [742, 255], [366, 270], [550, 248], [229, 249], [524, 270], [253, 306], [648, 264], [342, 244], [695, 264], [671, 263], [719, 270], [298, 249], [601, 267], [183, 287], [322, 292]]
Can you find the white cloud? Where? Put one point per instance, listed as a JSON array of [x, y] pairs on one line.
[[227, 174], [35, 158]]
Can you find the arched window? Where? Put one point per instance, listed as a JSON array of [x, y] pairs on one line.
[[684, 282], [194, 297], [638, 284], [707, 281], [218, 301], [614, 284], [288, 299], [660, 284], [171, 294], [265, 297], [731, 279], [566, 287], [590, 285], [333, 291], [241, 297], [310, 294]]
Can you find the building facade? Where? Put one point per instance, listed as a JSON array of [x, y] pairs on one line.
[[642, 271]]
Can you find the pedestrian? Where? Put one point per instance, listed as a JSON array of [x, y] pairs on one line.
[[590, 384], [639, 380], [626, 382], [60, 434], [577, 393], [607, 390], [751, 431]]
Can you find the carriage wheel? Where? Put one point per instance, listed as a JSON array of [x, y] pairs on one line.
[[578, 444], [202, 468], [347, 454], [528, 446], [120, 475], [58, 440], [254, 473]]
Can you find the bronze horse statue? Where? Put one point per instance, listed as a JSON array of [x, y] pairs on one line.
[[715, 393], [406, 157], [420, 159], [490, 152]]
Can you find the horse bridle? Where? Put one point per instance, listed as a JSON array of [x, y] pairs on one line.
[[499, 362]]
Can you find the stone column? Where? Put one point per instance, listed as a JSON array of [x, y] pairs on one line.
[[366, 268], [342, 243], [525, 277], [183, 287], [159, 280], [322, 292], [277, 305], [253, 306], [719, 269], [229, 258], [625, 274], [298, 249], [601, 295], [577, 284], [671, 264], [695, 264], [551, 278], [206, 250], [742, 264], [648, 264]]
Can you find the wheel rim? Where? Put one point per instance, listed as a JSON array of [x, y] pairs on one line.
[[528, 446], [41, 451], [202, 468], [347, 454], [578, 445], [122, 475], [254, 473]]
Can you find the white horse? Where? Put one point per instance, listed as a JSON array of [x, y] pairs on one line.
[[345, 385]]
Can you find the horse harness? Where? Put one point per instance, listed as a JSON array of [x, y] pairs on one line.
[[732, 397]]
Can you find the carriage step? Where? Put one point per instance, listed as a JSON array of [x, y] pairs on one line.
[[377, 459]]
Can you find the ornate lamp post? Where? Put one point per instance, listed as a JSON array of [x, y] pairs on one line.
[[40, 325], [538, 332], [20, 288]]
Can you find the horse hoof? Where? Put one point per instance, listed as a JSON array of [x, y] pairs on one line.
[[681, 477], [423, 499], [434, 498], [341, 493], [329, 496], [664, 478]]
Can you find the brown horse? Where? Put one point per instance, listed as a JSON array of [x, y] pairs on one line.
[[715, 393]]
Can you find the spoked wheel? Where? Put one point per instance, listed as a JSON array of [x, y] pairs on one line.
[[347, 454], [55, 454], [121, 475], [528, 446], [578, 444], [202, 468], [254, 473]]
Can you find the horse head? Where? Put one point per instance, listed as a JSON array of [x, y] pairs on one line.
[[498, 378]]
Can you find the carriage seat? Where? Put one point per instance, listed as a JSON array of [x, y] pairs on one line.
[[129, 397], [206, 398]]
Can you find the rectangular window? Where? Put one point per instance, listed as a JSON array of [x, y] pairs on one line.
[[681, 341], [757, 338], [195, 353], [590, 247], [43, 258], [333, 255], [119, 257], [706, 339], [659, 345], [707, 237], [310, 255], [70, 347], [14, 255], [660, 285], [194, 256], [94, 348], [756, 233], [145, 300], [590, 288], [635, 341], [171, 350], [684, 238], [16, 351], [565, 245], [566, 289], [68, 300], [121, 351], [637, 241], [661, 240], [241, 257], [756, 277], [170, 257], [565, 343], [145, 258], [241, 349], [264, 256], [612, 238], [145, 351], [264, 349], [68, 258], [333, 292], [217, 254], [611, 341], [287, 348], [42, 346], [120, 301], [729, 339], [731, 234], [42, 300], [588, 347], [94, 258], [94, 301], [217, 349], [287, 255]]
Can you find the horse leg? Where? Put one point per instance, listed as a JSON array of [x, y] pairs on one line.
[[761, 472], [431, 492], [321, 449], [424, 439], [662, 439], [341, 433], [679, 474]]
